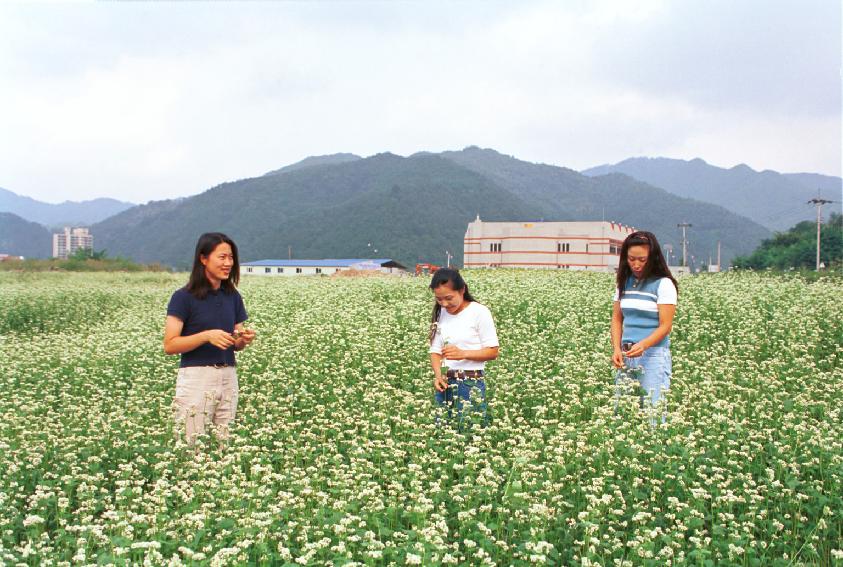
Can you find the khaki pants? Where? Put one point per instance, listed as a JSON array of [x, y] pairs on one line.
[[205, 394]]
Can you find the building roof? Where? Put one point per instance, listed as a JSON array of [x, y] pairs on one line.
[[329, 263]]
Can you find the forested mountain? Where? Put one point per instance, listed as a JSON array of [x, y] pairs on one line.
[[412, 209], [774, 200], [331, 159], [68, 213], [19, 237], [828, 185]]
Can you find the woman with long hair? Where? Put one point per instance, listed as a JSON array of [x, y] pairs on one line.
[[205, 326], [462, 338], [642, 315]]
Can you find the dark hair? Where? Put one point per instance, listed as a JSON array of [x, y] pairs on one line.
[[656, 266], [198, 284], [441, 277]]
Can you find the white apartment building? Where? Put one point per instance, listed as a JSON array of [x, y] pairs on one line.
[[67, 242], [577, 245]]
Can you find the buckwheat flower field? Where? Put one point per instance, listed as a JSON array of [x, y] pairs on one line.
[[337, 457]]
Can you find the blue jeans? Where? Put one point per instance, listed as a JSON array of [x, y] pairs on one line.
[[459, 392], [652, 371]]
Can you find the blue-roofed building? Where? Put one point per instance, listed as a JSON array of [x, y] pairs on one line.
[[319, 267]]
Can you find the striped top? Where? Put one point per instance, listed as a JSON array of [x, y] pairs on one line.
[[640, 307]]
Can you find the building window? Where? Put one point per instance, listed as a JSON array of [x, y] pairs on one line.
[[613, 249], [280, 270], [318, 270], [336, 269], [249, 269], [495, 247], [298, 270], [563, 246], [268, 270]]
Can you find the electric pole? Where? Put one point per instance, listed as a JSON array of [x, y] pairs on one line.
[[449, 255], [719, 268], [819, 202], [683, 226]]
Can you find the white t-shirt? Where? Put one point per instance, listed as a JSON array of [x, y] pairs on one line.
[[470, 329]]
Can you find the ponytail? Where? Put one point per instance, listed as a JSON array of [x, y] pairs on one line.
[[434, 322]]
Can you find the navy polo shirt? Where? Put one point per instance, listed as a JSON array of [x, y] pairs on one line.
[[219, 310]]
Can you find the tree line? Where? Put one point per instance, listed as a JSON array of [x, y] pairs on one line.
[[797, 247]]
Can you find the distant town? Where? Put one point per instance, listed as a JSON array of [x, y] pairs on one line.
[[580, 245]]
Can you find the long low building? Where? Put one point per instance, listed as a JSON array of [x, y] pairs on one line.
[[576, 245], [317, 267]]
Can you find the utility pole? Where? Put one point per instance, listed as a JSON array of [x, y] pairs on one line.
[[289, 252], [683, 226], [819, 202], [449, 255]]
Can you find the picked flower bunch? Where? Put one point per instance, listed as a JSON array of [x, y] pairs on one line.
[[628, 380]]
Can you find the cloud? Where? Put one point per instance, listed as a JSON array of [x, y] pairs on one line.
[[145, 101], [777, 56]]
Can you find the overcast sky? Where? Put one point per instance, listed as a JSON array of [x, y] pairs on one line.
[[153, 100]]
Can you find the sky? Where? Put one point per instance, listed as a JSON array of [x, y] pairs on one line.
[[144, 101]]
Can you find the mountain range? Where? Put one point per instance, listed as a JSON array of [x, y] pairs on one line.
[[411, 209], [69, 213], [416, 208], [774, 200]]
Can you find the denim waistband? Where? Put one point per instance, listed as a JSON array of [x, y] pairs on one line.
[[658, 349], [656, 352]]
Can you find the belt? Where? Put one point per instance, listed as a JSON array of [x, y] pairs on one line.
[[220, 365], [463, 374]]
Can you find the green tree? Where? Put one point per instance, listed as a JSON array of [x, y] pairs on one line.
[[88, 254], [797, 248]]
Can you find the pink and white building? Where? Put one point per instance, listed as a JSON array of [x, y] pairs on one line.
[[577, 245], [69, 240]]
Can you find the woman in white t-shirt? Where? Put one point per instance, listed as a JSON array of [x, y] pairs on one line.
[[462, 338]]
